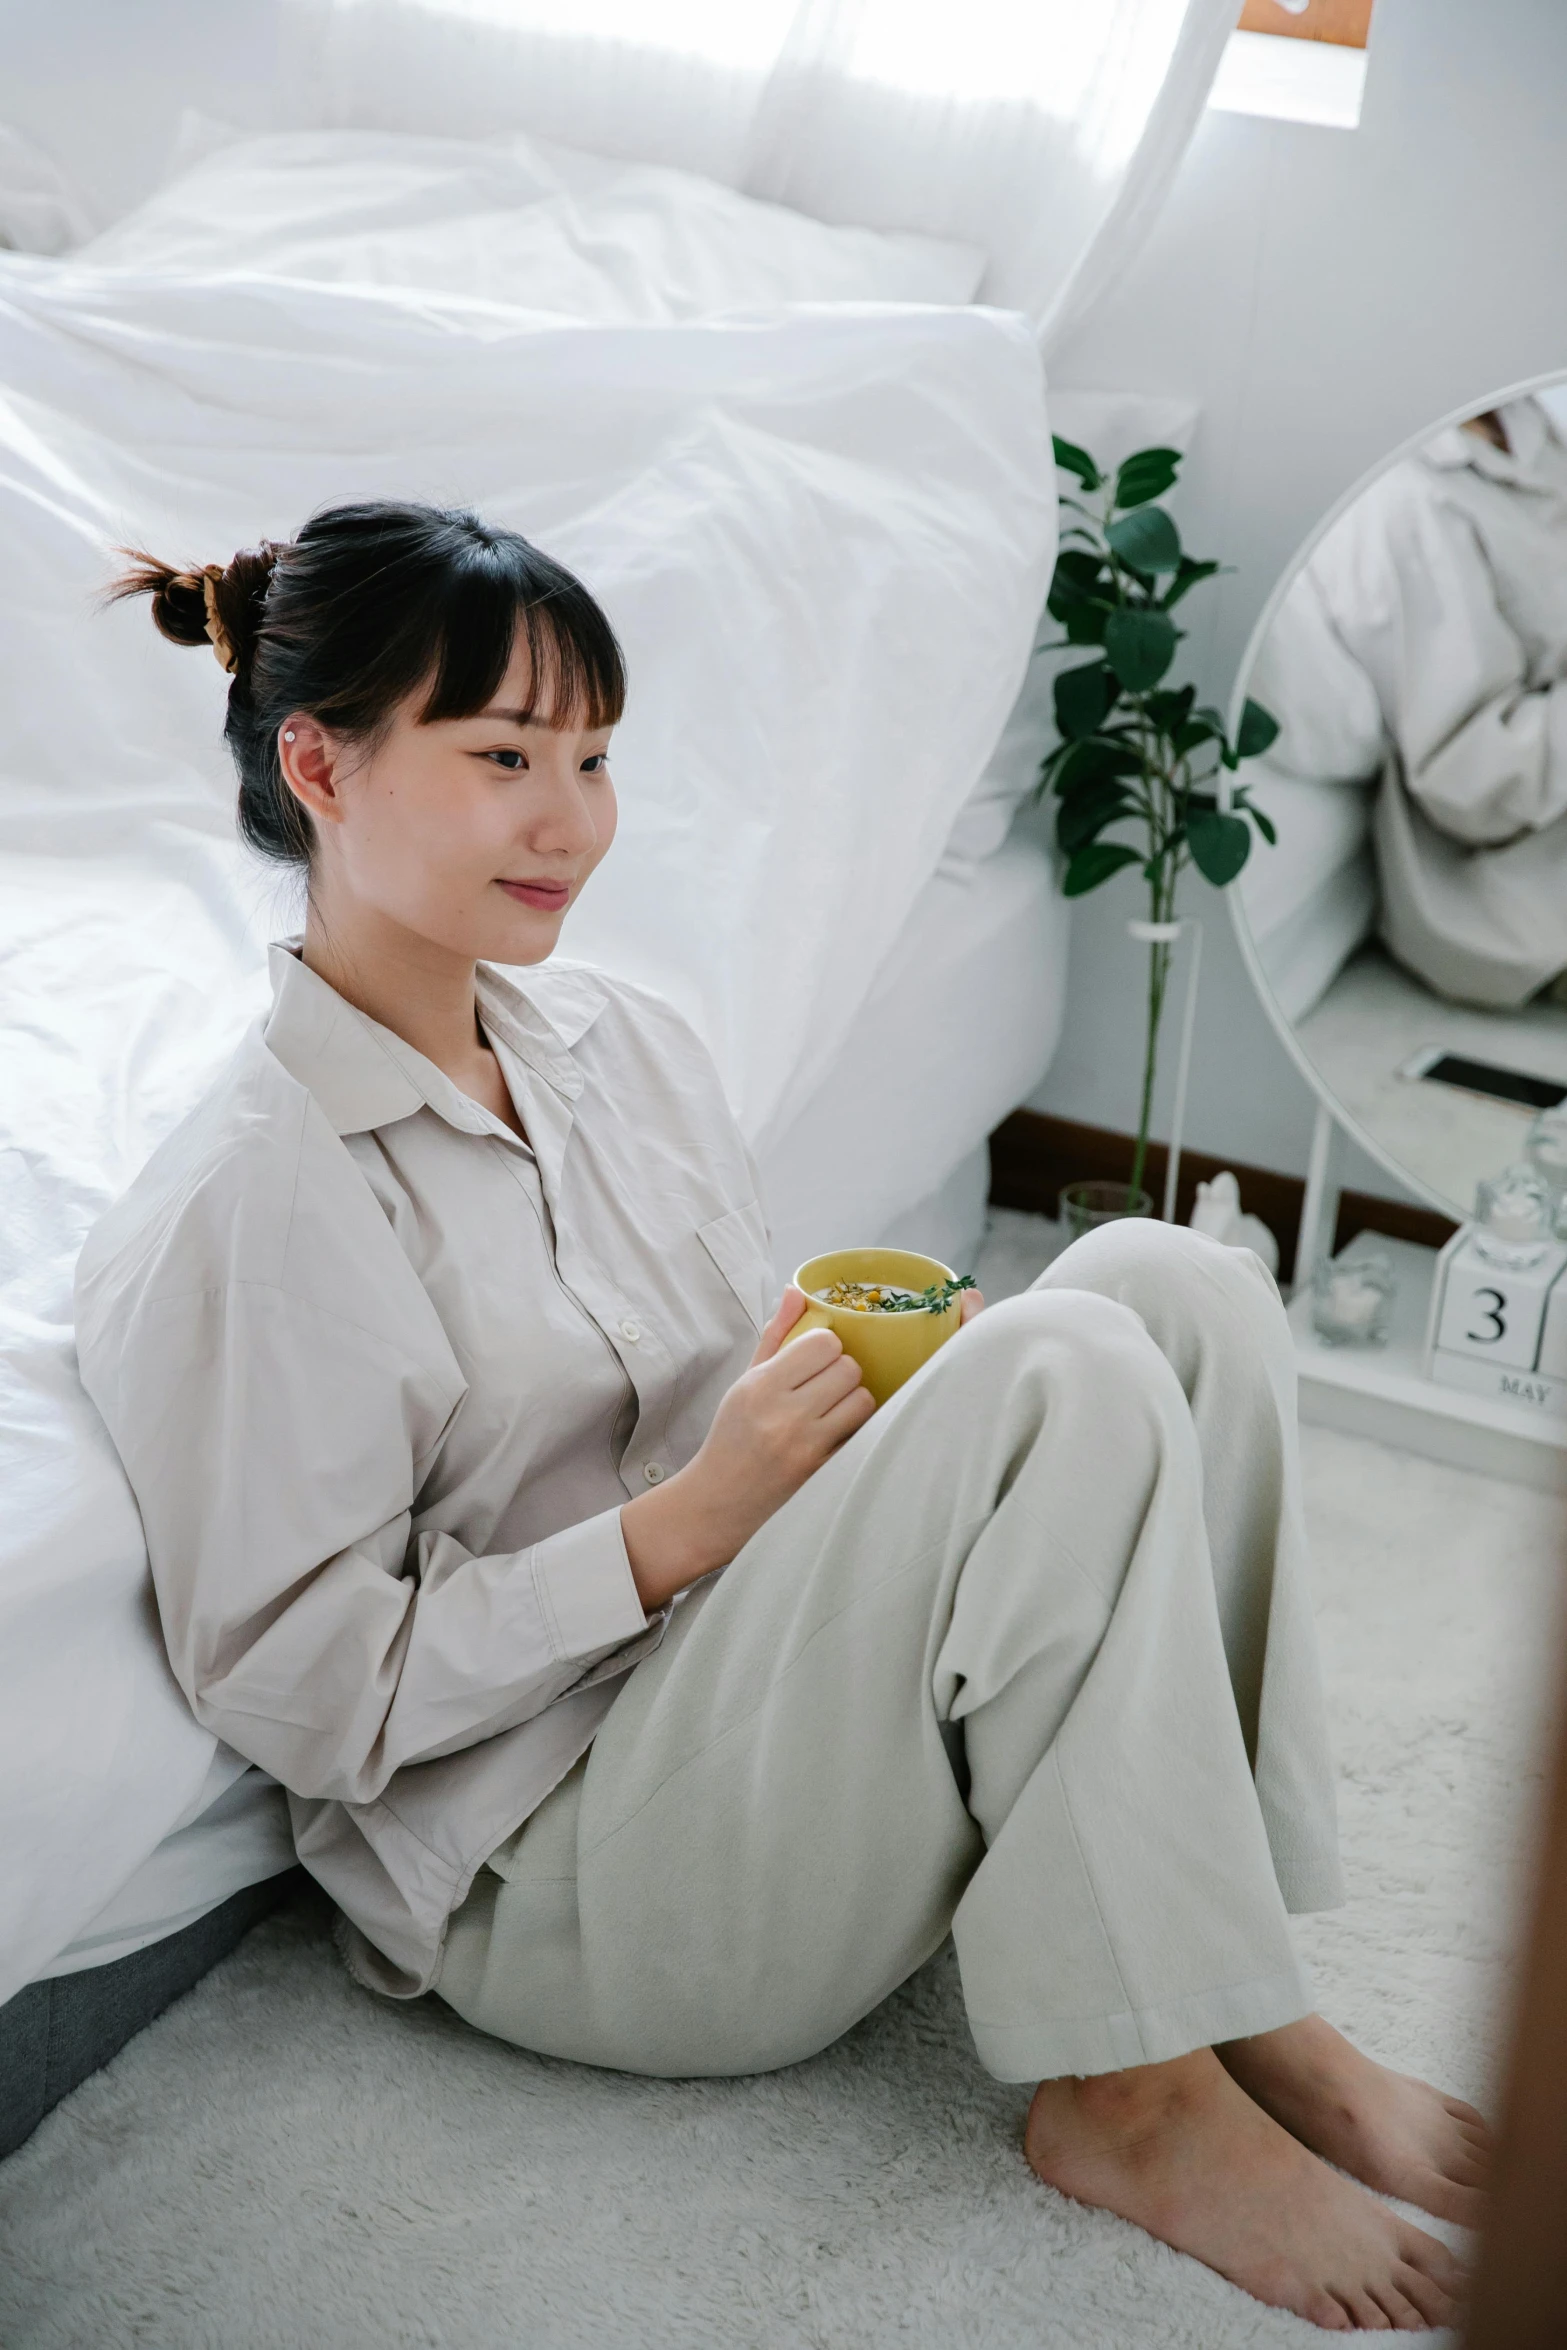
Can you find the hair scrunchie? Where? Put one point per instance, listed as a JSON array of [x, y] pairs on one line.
[[218, 635]]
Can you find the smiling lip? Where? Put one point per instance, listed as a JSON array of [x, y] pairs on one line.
[[547, 896]]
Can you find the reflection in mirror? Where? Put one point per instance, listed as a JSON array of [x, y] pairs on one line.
[[1413, 925]]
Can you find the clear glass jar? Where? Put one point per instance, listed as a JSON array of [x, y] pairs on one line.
[[1352, 1299], [1545, 1149], [1085, 1206], [1515, 1217]]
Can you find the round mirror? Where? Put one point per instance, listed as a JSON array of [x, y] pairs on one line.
[[1409, 929]]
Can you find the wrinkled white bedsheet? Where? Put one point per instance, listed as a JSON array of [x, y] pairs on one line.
[[824, 535]]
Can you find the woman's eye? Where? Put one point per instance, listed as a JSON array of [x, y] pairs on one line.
[[597, 764], [513, 761]]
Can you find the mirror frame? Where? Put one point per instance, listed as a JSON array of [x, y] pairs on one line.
[[1345, 1118]]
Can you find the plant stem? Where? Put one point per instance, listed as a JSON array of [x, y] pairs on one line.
[[1165, 862], [1156, 955]]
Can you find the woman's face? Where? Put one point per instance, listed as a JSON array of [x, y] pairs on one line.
[[474, 835]]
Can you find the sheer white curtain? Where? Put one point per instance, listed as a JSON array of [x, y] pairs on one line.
[[1044, 131]]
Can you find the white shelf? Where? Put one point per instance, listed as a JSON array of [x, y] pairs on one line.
[[1382, 1391]]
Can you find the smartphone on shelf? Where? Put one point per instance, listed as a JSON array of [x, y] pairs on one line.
[[1521, 1087]]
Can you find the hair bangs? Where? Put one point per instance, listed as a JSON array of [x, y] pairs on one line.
[[576, 673]]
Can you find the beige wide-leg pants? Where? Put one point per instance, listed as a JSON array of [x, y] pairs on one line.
[[1031, 1660]]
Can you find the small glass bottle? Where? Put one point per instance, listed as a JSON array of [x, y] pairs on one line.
[[1352, 1299], [1545, 1148], [1515, 1218]]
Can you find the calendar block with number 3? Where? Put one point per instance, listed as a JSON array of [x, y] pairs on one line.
[[1488, 1321]]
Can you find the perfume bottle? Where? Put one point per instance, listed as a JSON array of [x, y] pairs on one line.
[[1515, 1218]]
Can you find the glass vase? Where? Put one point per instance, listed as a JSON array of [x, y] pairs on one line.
[[1085, 1206]]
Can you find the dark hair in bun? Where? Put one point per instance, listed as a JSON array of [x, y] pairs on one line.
[[367, 606]]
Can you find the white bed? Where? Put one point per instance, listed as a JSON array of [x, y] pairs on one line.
[[1311, 902], [843, 487]]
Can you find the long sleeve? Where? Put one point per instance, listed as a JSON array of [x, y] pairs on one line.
[[1483, 753], [276, 1451]]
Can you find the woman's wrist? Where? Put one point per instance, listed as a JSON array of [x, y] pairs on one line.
[[669, 1540]]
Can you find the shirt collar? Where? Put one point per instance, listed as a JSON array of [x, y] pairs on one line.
[[1528, 430], [363, 1075]]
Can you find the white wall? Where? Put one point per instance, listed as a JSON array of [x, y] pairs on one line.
[[1322, 294]]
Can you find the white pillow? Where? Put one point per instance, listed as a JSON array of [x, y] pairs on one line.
[[514, 220]]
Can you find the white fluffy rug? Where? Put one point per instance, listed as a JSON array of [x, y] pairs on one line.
[[283, 2163]]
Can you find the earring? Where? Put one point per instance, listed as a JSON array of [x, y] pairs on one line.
[[288, 734]]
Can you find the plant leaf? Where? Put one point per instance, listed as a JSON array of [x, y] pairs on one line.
[[1084, 698], [1146, 474], [1170, 709], [1139, 646], [1093, 761], [1072, 459], [1219, 844], [1146, 540], [1258, 728], [1188, 574], [1088, 812], [1087, 620], [1193, 735], [1264, 825], [1095, 864], [1075, 762], [1081, 569], [1078, 573]]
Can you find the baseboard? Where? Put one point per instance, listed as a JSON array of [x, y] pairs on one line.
[[1032, 1155], [54, 2033]]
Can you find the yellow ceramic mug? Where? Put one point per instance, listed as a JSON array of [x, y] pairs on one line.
[[889, 1348]]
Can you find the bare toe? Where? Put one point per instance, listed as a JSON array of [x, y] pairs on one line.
[[1396, 2134], [1434, 2306], [1447, 2198], [1365, 2314], [1402, 2313], [1430, 2256], [1428, 2275]]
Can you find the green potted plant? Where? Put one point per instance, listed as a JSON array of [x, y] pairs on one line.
[[1135, 754]]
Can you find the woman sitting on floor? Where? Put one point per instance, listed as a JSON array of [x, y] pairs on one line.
[[636, 1688]]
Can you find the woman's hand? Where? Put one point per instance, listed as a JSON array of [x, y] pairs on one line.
[[973, 1303], [781, 1419]]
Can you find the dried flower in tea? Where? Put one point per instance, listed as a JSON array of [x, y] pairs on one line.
[[881, 1297]]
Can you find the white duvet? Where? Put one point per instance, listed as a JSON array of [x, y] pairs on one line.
[[823, 531]]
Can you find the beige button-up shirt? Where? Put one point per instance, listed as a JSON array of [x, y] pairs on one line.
[[382, 1375]]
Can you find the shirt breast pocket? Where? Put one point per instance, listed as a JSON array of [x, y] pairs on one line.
[[737, 1244]]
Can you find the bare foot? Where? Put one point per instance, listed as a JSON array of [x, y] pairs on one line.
[[1398, 2134], [1182, 2150]]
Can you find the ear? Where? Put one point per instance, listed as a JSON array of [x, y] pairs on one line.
[[308, 756]]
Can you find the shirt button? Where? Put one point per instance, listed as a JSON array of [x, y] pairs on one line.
[[631, 1332], [654, 1472]]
